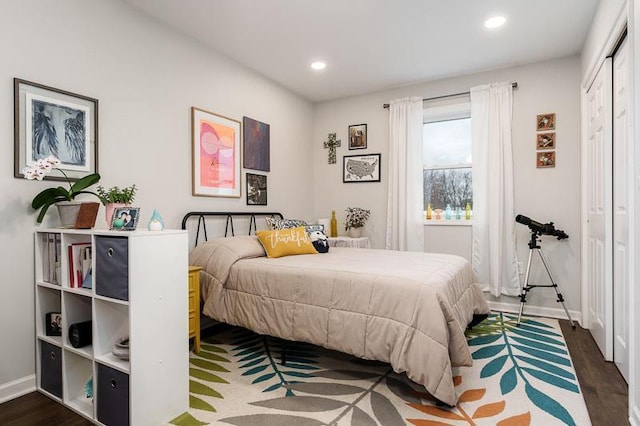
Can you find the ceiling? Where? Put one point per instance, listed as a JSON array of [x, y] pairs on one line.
[[373, 45]]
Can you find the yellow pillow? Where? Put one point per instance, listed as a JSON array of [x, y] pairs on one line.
[[286, 242]]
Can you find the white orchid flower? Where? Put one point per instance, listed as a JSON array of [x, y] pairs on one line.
[[28, 173]]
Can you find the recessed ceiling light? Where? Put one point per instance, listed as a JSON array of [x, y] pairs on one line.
[[319, 65], [495, 22]]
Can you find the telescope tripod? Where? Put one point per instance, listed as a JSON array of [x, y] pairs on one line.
[[534, 246]]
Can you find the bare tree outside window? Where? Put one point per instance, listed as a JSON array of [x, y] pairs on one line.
[[447, 186], [447, 163]]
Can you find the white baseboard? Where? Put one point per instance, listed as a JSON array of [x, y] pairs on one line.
[[634, 420], [536, 311], [16, 388]]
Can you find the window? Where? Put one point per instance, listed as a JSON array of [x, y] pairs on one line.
[[447, 157]]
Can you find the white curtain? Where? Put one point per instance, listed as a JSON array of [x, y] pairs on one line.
[[494, 239], [405, 229]]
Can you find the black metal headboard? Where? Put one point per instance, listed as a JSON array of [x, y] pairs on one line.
[[229, 216]]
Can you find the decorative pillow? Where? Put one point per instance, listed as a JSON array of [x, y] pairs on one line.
[[319, 240], [286, 242], [273, 223]]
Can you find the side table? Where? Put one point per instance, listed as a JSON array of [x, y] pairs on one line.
[[361, 242], [194, 306]]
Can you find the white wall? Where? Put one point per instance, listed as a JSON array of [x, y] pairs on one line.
[[146, 78], [542, 194]]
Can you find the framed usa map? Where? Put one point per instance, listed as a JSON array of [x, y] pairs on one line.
[[361, 168]]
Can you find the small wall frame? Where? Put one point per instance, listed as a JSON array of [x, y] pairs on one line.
[[546, 140], [358, 136], [545, 122], [545, 159], [256, 189]]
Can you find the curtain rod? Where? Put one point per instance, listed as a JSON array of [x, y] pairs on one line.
[[514, 85]]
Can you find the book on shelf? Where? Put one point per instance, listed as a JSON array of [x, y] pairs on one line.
[[51, 258], [79, 263]]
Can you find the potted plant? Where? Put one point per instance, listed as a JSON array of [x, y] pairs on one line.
[[62, 197], [115, 197], [355, 220]]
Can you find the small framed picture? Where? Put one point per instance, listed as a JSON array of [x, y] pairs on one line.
[[256, 190], [53, 324], [125, 218], [546, 140], [545, 122], [545, 159], [361, 168], [358, 136]]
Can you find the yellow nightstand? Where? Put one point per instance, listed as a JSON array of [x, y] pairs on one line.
[[194, 306]]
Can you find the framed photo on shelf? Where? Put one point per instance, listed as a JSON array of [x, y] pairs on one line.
[[545, 122], [545, 159], [358, 136], [361, 168], [125, 218], [215, 155], [255, 145], [54, 122], [256, 189], [53, 324], [546, 140]]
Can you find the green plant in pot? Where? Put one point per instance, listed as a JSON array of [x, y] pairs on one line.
[[355, 219], [115, 197], [60, 195]]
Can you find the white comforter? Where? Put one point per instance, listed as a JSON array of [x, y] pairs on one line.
[[406, 308]]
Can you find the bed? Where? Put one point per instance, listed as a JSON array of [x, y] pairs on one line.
[[409, 309]]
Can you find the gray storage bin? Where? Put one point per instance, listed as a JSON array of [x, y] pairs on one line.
[[112, 267], [112, 396], [51, 368]]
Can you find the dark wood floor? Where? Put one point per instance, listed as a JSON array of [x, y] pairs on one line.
[[604, 389]]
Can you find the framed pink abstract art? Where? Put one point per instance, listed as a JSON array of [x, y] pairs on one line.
[[216, 155]]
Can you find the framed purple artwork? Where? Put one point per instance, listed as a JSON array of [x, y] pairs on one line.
[[255, 152]]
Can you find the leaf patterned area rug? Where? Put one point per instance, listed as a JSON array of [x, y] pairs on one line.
[[520, 376]]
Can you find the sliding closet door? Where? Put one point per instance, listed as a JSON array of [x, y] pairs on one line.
[[599, 200], [621, 179]]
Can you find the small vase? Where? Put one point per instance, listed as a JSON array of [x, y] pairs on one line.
[[355, 232], [109, 209]]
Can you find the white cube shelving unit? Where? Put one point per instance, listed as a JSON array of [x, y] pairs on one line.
[[152, 387]]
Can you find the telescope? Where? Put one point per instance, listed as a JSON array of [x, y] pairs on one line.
[[541, 228]]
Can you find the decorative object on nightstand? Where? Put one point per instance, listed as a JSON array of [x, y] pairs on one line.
[[155, 223], [194, 306], [354, 220], [334, 224], [115, 197]]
